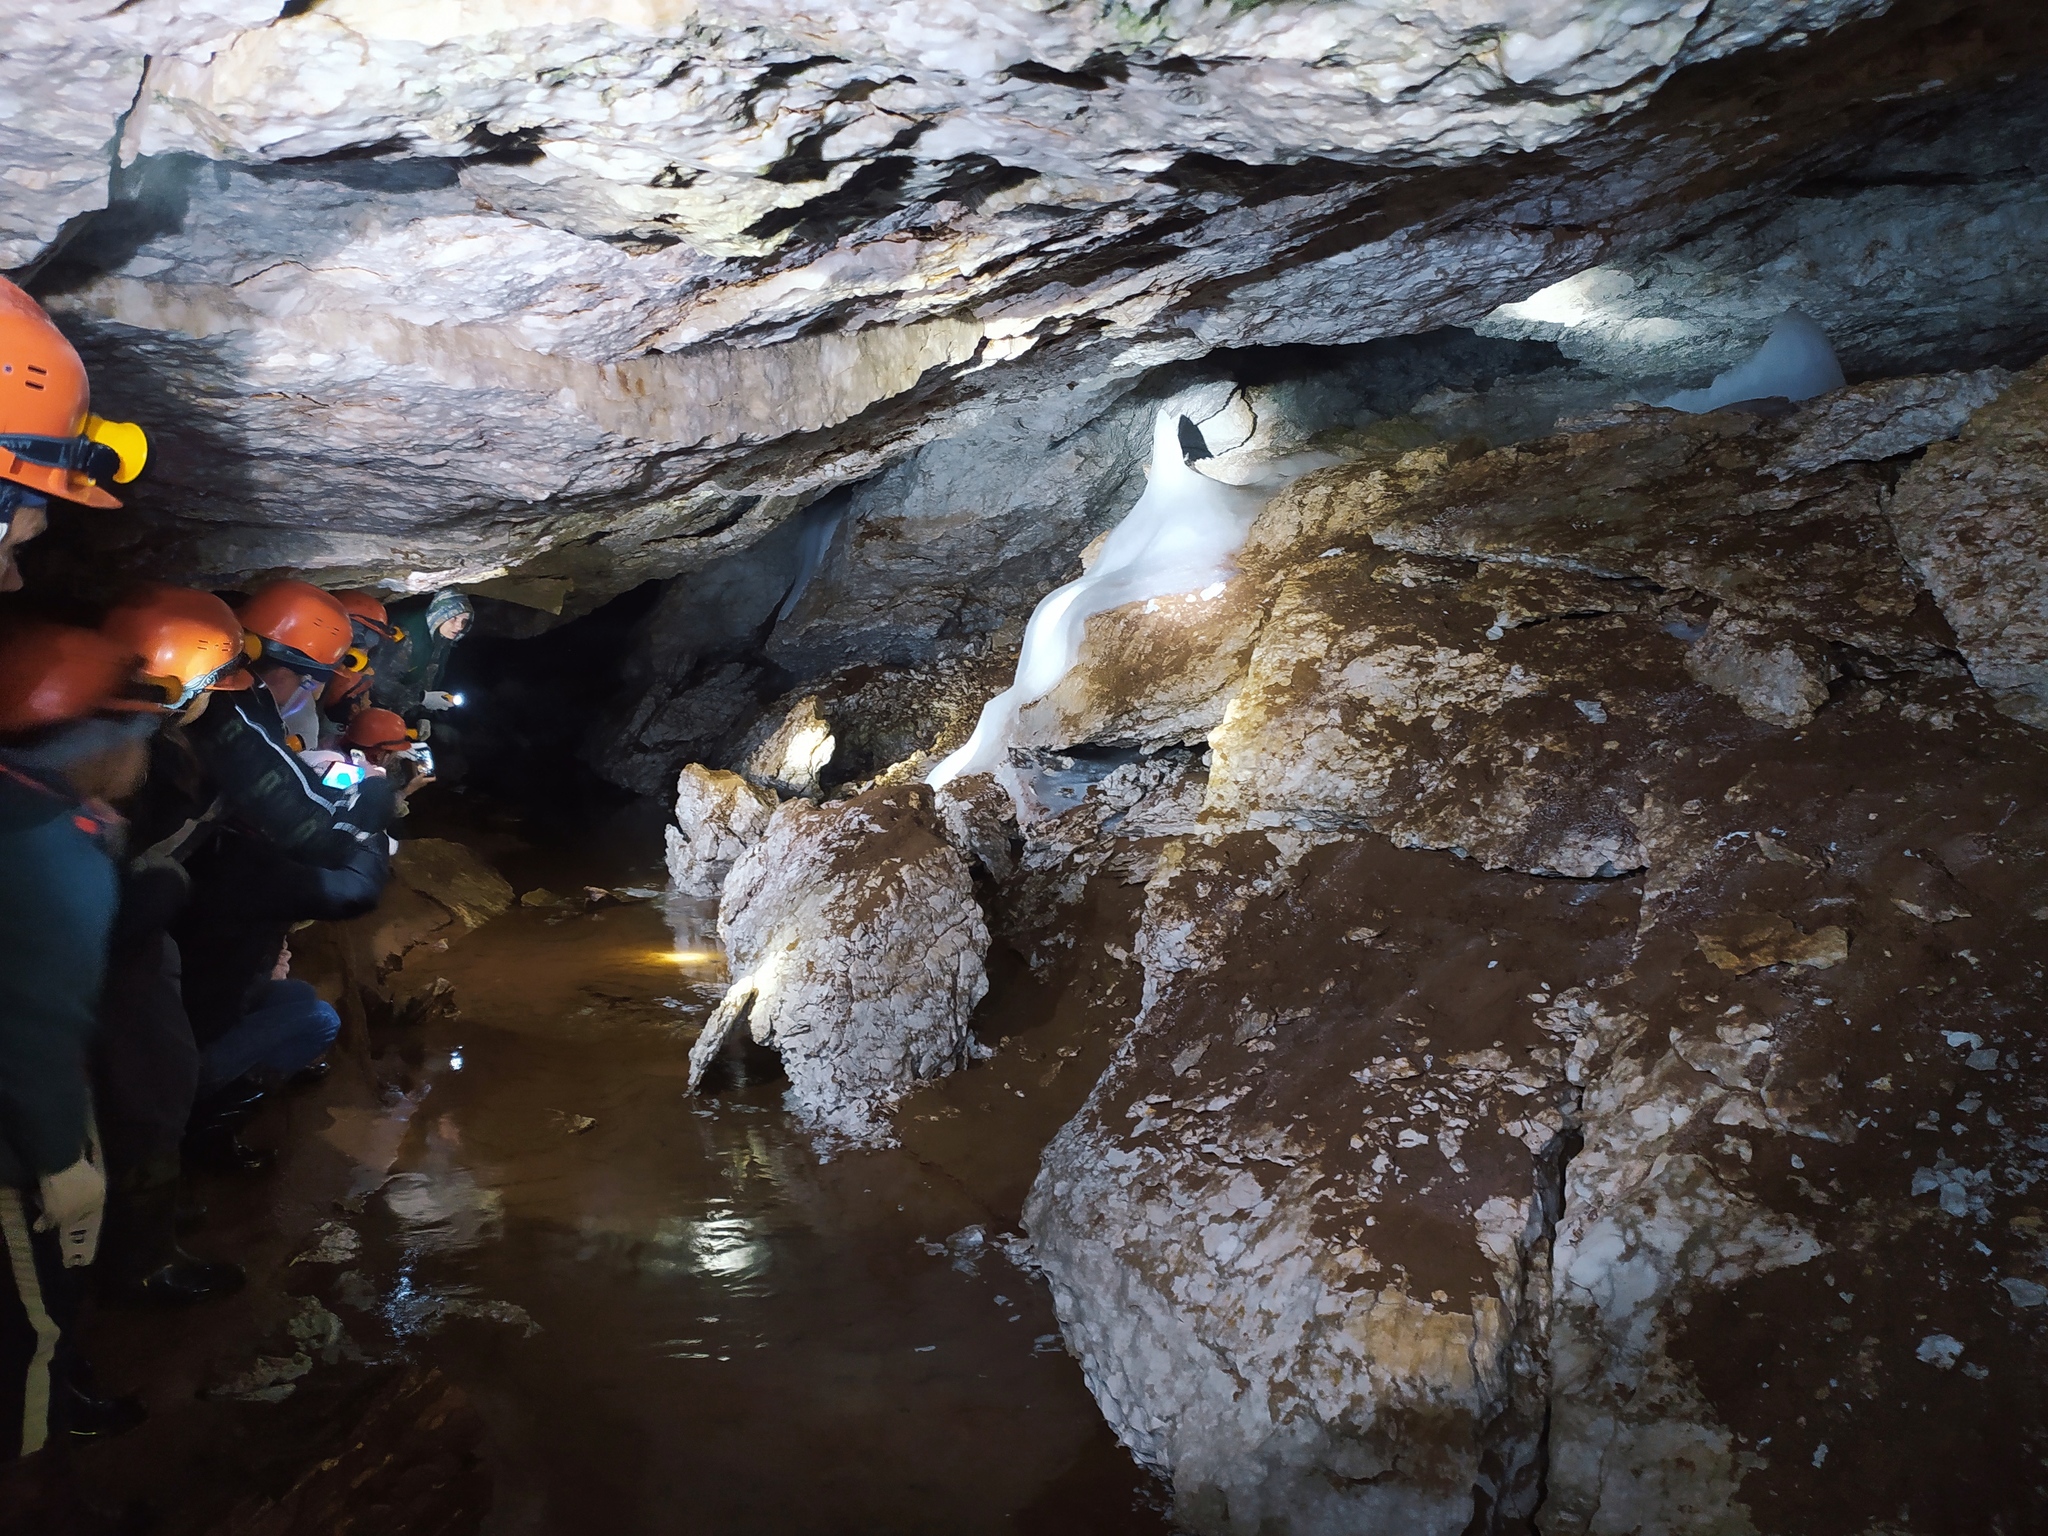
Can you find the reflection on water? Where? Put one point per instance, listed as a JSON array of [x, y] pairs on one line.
[[722, 1245], [440, 1205], [673, 1315]]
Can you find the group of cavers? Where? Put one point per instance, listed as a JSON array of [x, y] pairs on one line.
[[179, 788]]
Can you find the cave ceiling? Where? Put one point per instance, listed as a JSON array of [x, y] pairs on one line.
[[575, 294]]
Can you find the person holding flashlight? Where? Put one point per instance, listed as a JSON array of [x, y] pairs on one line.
[[411, 670]]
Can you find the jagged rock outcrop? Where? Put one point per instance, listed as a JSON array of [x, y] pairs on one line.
[[618, 293], [856, 949], [1972, 517], [719, 816], [1299, 1235], [1421, 1185]]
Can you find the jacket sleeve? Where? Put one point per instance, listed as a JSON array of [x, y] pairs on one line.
[[292, 891], [57, 893], [271, 792], [152, 894]]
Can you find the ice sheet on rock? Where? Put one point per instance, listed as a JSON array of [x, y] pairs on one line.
[[1182, 536], [1796, 363]]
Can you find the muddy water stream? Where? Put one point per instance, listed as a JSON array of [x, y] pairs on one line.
[[671, 1312]]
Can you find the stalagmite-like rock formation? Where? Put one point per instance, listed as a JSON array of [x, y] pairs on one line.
[[719, 816], [856, 950]]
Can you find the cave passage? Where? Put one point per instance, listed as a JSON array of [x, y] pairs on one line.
[[653, 1307], [1273, 768]]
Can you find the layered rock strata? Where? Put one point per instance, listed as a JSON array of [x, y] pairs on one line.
[[614, 293]]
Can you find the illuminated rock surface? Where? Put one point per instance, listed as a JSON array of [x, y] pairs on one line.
[[1586, 861], [856, 950], [1424, 1193], [609, 290]]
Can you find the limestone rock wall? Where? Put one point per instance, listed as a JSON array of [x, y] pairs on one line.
[[607, 290], [1606, 939], [856, 949]]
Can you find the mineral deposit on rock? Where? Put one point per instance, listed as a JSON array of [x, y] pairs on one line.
[[719, 816], [856, 949]]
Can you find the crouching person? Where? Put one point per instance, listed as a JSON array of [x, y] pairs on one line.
[[70, 742], [256, 1027], [145, 1062]]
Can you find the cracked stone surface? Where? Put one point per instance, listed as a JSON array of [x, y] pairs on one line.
[[1971, 518], [450, 295], [1408, 1153], [719, 816], [856, 950]]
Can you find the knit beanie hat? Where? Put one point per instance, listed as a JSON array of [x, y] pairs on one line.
[[447, 604]]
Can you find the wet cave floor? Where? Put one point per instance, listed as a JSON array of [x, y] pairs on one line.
[[509, 1264]]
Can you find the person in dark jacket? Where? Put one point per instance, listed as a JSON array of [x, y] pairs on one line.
[[246, 747], [411, 670], [282, 847], [69, 743], [145, 1061], [253, 1027]]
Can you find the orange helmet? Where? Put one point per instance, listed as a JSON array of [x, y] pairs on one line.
[[377, 730], [49, 441], [368, 610], [299, 625], [345, 685], [51, 674], [189, 642]]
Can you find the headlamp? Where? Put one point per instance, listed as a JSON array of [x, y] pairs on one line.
[[355, 660], [128, 443], [106, 450]]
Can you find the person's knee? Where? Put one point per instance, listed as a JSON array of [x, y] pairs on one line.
[[328, 1023]]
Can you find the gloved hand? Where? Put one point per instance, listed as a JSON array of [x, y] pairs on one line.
[[439, 701], [74, 1201]]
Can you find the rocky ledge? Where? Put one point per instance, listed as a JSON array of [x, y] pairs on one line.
[[1588, 1069]]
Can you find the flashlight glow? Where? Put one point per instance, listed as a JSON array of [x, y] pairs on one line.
[[691, 956]]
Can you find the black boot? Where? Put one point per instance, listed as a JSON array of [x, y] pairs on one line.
[[79, 1407], [237, 1101], [220, 1149], [86, 1417], [214, 1140], [140, 1260], [306, 1077]]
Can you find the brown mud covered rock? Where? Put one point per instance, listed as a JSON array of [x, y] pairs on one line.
[[1298, 1236], [719, 816], [1398, 712], [857, 954], [1406, 1156], [1429, 1195], [1972, 517]]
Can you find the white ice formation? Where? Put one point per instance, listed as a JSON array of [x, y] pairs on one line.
[[1796, 363], [1181, 536]]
